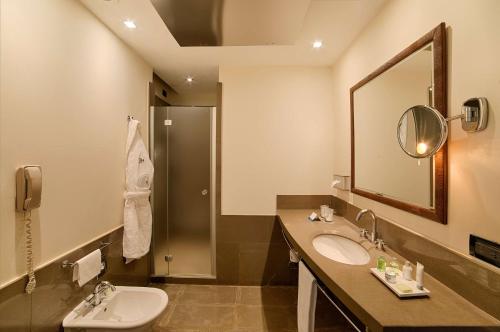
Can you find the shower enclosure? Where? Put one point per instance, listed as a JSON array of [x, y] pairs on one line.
[[182, 144]]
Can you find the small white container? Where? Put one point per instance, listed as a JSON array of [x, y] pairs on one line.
[[407, 270], [324, 210], [390, 275], [329, 215], [420, 276]]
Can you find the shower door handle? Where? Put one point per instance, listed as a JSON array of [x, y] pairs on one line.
[[204, 192]]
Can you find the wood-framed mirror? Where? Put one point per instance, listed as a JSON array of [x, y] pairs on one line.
[[380, 170]]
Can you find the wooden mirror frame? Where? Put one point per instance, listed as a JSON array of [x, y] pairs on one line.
[[439, 212]]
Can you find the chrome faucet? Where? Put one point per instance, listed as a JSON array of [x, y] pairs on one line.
[[99, 293], [364, 233], [103, 286]]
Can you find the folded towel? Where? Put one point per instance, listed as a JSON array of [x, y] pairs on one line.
[[306, 303], [87, 268]]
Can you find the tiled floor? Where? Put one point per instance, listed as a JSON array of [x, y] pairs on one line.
[[196, 308], [192, 255]]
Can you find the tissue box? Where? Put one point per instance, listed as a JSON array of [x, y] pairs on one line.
[[342, 182]]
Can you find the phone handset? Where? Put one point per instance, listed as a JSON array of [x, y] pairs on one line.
[[29, 188], [29, 197]]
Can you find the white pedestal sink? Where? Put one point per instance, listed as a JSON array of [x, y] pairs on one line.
[[126, 309], [341, 249]]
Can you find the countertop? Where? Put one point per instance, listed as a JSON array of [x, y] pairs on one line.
[[369, 299]]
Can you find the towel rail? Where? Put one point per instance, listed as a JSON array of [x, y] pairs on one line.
[[290, 245], [67, 264]]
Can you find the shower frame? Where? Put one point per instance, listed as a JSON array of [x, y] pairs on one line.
[[212, 191]]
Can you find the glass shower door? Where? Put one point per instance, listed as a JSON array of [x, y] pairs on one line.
[[182, 195]]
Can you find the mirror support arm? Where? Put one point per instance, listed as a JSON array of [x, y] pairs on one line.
[[474, 114], [456, 117]]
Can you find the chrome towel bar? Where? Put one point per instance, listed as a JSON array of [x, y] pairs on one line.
[[289, 244], [67, 264]]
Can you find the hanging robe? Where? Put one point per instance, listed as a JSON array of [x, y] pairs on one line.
[[137, 210]]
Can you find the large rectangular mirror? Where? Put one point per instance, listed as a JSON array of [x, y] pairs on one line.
[[380, 169]]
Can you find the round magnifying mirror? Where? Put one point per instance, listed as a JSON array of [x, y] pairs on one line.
[[422, 131]]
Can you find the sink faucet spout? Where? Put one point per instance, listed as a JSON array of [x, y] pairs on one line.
[[373, 235]]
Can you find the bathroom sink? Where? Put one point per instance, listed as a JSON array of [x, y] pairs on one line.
[[126, 309], [341, 249]]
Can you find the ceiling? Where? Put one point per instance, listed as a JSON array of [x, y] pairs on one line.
[[233, 22], [335, 22]]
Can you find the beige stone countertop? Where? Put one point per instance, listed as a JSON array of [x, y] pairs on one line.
[[367, 297]]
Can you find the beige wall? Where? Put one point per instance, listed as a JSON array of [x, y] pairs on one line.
[[277, 135], [474, 70], [67, 85]]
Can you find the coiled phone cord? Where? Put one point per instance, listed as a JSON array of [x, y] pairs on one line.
[[30, 286]]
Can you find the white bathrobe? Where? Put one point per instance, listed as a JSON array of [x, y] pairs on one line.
[[137, 211]]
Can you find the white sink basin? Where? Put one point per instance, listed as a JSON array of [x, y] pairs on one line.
[[126, 309], [341, 249]]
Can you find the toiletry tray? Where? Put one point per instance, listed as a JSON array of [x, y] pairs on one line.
[[400, 280]]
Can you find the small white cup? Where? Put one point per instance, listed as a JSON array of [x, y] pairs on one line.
[[329, 215], [324, 209]]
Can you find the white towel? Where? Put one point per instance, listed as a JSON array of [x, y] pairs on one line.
[[137, 216], [293, 257], [306, 303], [87, 268], [137, 225]]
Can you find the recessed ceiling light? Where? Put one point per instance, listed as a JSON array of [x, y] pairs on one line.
[[317, 44], [129, 24], [189, 79]]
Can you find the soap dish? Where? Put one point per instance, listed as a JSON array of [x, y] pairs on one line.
[[415, 292]]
